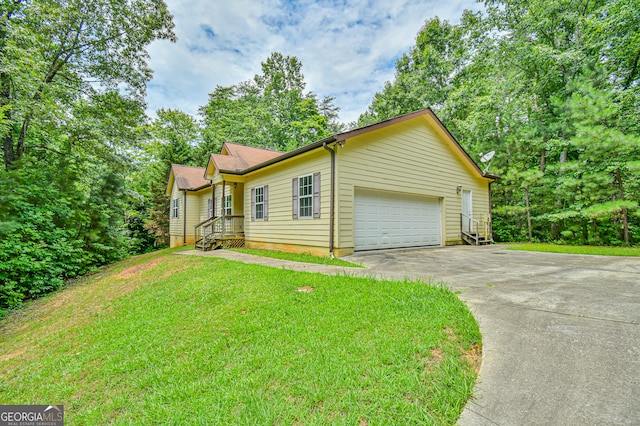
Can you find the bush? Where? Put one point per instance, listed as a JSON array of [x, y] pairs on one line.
[[48, 234]]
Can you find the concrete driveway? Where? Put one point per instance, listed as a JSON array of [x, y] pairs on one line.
[[561, 333]]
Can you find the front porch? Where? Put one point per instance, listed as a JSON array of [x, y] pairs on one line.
[[226, 231]]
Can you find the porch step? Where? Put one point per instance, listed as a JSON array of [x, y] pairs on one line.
[[474, 239], [208, 243]]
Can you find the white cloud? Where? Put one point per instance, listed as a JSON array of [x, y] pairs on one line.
[[347, 48]]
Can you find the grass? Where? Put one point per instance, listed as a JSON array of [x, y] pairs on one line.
[[163, 339], [595, 250], [299, 257]]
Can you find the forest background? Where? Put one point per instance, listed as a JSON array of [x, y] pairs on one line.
[[553, 86]]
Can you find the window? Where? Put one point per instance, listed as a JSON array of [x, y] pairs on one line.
[[260, 203], [175, 211], [227, 205], [209, 207], [305, 196], [259, 200]]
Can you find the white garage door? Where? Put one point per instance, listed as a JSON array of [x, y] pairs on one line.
[[392, 220]]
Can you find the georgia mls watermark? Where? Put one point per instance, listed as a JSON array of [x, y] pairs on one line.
[[31, 415]]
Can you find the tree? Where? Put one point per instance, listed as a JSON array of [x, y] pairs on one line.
[[56, 52], [72, 84], [271, 110], [604, 178], [172, 139], [426, 75], [554, 88]]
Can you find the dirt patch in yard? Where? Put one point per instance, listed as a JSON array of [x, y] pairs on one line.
[[473, 357], [11, 355], [137, 269]]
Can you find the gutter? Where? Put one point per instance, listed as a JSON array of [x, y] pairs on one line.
[[331, 202], [283, 157]]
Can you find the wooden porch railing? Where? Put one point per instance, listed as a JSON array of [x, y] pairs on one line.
[[476, 232], [217, 228]]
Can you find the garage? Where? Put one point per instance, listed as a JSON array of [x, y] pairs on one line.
[[386, 220]]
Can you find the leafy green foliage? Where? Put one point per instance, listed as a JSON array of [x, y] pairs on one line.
[[50, 234], [172, 138], [271, 111], [72, 82], [554, 88]]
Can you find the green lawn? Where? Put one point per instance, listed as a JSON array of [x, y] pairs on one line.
[[164, 339], [556, 248], [299, 257]]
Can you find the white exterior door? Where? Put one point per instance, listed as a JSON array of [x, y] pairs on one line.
[[467, 211], [393, 220]]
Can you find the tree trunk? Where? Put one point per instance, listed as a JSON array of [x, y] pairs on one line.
[[625, 213], [625, 226], [563, 157], [543, 160], [7, 138], [5, 84], [526, 200], [555, 227]]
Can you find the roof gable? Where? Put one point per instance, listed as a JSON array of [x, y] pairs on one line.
[[428, 115], [240, 159], [425, 114], [187, 178], [235, 158]]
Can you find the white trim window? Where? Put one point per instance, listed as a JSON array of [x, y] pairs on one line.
[[260, 203], [209, 207], [259, 200], [227, 211], [175, 210], [305, 196]]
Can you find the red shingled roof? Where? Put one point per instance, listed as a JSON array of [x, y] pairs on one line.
[[188, 177], [240, 157]]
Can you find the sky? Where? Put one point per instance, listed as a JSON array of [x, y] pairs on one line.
[[348, 49]]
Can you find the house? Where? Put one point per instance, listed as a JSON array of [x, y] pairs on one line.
[[191, 193], [404, 182], [190, 199]]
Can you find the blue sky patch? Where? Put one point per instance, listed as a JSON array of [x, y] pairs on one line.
[[208, 31], [348, 48]]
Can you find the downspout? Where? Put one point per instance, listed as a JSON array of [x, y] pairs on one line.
[[331, 202], [184, 220]]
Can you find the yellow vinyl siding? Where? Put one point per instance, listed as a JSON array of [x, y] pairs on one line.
[[280, 228], [193, 212], [175, 224], [237, 207], [238, 201], [204, 197], [409, 157]]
